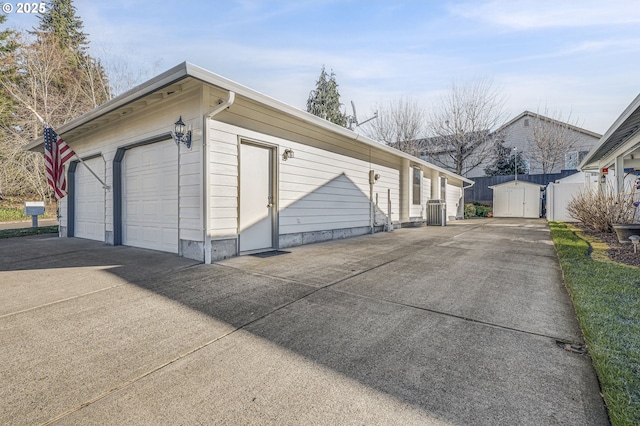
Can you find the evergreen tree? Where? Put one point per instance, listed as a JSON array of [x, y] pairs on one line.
[[324, 101], [506, 164], [60, 20], [61, 28], [8, 69]]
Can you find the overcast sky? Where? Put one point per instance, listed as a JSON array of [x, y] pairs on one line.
[[576, 57]]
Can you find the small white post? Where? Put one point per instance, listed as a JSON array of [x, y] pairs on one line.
[[389, 224]]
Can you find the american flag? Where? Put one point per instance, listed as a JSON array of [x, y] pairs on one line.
[[56, 153]]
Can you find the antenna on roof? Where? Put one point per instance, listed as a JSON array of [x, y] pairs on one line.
[[353, 119]]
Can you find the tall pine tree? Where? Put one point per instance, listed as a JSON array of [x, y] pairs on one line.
[[8, 68], [505, 163], [324, 100], [60, 21], [62, 29]]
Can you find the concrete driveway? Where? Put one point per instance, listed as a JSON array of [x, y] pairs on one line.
[[447, 326]]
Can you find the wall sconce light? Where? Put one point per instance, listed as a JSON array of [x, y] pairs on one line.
[[288, 153], [179, 134]]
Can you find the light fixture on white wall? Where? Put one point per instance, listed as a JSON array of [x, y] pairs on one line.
[[179, 134], [288, 153]]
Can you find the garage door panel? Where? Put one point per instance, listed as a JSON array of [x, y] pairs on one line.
[[150, 197], [89, 200]]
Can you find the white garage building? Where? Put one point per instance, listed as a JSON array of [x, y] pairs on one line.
[[259, 175]]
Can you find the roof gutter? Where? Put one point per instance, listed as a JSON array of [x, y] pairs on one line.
[[223, 105]]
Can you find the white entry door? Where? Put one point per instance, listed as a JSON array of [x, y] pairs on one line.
[[517, 202], [256, 198]]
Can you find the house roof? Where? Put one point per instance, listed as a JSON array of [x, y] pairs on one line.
[[511, 122], [548, 120], [186, 70], [621, 131]]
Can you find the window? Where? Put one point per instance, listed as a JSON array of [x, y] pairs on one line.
[[571, 160], [526, 122], [417, 187]]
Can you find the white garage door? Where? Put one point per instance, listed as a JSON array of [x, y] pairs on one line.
[[89, 200], [150, 197]]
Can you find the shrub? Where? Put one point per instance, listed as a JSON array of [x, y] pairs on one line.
[[469, 210], [602, 208], [483, 211]]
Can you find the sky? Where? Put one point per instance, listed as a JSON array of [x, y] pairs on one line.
[[579, 60]]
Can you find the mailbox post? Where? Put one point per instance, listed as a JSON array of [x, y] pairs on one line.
[[34, 209]]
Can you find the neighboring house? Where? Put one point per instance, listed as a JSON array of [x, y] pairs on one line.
[[518, 133], [616, 157], [259, 175]]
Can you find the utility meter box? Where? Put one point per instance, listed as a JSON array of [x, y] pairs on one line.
[[34, 208]]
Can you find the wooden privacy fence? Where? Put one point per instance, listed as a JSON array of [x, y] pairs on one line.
[[481, 193]]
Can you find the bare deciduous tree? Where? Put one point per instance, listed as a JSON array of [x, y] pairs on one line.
[[400, 124], [48, 83], [462, 125], [551, 138]]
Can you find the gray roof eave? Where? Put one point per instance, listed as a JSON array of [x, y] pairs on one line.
[[186, 69], [170, 76], [610, 140]]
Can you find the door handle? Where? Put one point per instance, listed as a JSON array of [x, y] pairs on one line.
[[270, 205]]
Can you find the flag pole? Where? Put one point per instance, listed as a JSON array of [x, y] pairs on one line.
[[104, 185]]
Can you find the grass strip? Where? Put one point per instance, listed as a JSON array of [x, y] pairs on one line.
[[9, 214], [606, 298], [22, 232]]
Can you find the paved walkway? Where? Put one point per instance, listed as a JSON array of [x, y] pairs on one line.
[[457, 325]]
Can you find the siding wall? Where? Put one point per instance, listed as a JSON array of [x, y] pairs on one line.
[[317, 189], [321, 190]]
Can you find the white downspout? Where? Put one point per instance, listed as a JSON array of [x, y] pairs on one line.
[[207, 181]]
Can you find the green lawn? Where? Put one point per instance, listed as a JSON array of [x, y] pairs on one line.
[[10, 214], [10, 233], [606, 297]]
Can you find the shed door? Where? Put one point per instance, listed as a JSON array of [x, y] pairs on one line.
[[509, 202], [256, 198], [89, 200], [150, 197]]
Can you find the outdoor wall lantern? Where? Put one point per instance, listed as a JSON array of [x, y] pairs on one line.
[[180, 136], [288, 153]]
